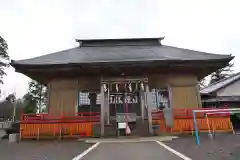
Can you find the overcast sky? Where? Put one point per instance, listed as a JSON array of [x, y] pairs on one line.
[[37, 27]]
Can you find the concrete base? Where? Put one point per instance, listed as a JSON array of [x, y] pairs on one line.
[[13, 138]]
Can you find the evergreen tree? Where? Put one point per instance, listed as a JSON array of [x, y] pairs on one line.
[[36, 97], [30, 104], [4, 58]]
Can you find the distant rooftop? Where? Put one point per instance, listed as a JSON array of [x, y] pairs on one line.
[[220, 84]]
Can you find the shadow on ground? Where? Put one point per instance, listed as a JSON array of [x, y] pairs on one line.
[[226, 146]]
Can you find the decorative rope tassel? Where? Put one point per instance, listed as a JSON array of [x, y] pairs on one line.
[[128, 130], [117, 87], [130, 87], [105, 87], [141, 86]]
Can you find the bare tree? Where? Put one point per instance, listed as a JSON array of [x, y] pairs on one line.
[[202, 83], [222, 73]]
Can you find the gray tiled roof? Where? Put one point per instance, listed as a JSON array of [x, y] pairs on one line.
[[220, 84], [98, 54]]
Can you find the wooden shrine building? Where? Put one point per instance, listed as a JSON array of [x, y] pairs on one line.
[[124, 80]]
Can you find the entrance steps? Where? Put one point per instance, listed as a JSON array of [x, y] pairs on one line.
[[142, 129], [129, 139], [137, 129], [110, 130]]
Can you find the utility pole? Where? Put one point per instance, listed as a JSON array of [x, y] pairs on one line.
[[13, 101]]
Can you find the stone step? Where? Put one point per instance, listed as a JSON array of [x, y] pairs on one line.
[[110, 131], [131, 139], [143, 128]]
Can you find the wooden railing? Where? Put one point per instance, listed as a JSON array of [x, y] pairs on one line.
[[44, 125], [79, 117]]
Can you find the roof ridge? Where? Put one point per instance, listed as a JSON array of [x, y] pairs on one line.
[[121, 38]]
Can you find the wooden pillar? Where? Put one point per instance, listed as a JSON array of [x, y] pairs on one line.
[[77, 97], [149, 108], [198, 96], [170, 97], [49, 97], [107, 106], [102, 110], [142, 104]]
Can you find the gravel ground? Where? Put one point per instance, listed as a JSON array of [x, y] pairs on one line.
[[41, 150], [224, 147]]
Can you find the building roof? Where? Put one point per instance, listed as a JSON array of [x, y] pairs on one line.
[[120, 50], [220, 84]]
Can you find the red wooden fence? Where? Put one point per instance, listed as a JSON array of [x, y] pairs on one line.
[[48, 126], [183, 120]]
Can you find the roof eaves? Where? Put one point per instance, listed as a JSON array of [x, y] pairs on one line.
[[229, 56], [132, 61]]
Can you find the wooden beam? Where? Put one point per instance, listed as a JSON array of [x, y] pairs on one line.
[[170, 96], [45, 74], [198, 96], [49, 96], [142, 104], [184, 85], [106, 106], [77, 103]]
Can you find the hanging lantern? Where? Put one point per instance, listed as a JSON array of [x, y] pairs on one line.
[[105, 87], [130, 87]]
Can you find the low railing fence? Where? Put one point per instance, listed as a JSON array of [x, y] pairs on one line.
[[186, 113], [183, 121], [64, 126]]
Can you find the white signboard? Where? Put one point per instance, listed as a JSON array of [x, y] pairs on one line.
[[121, 125]]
